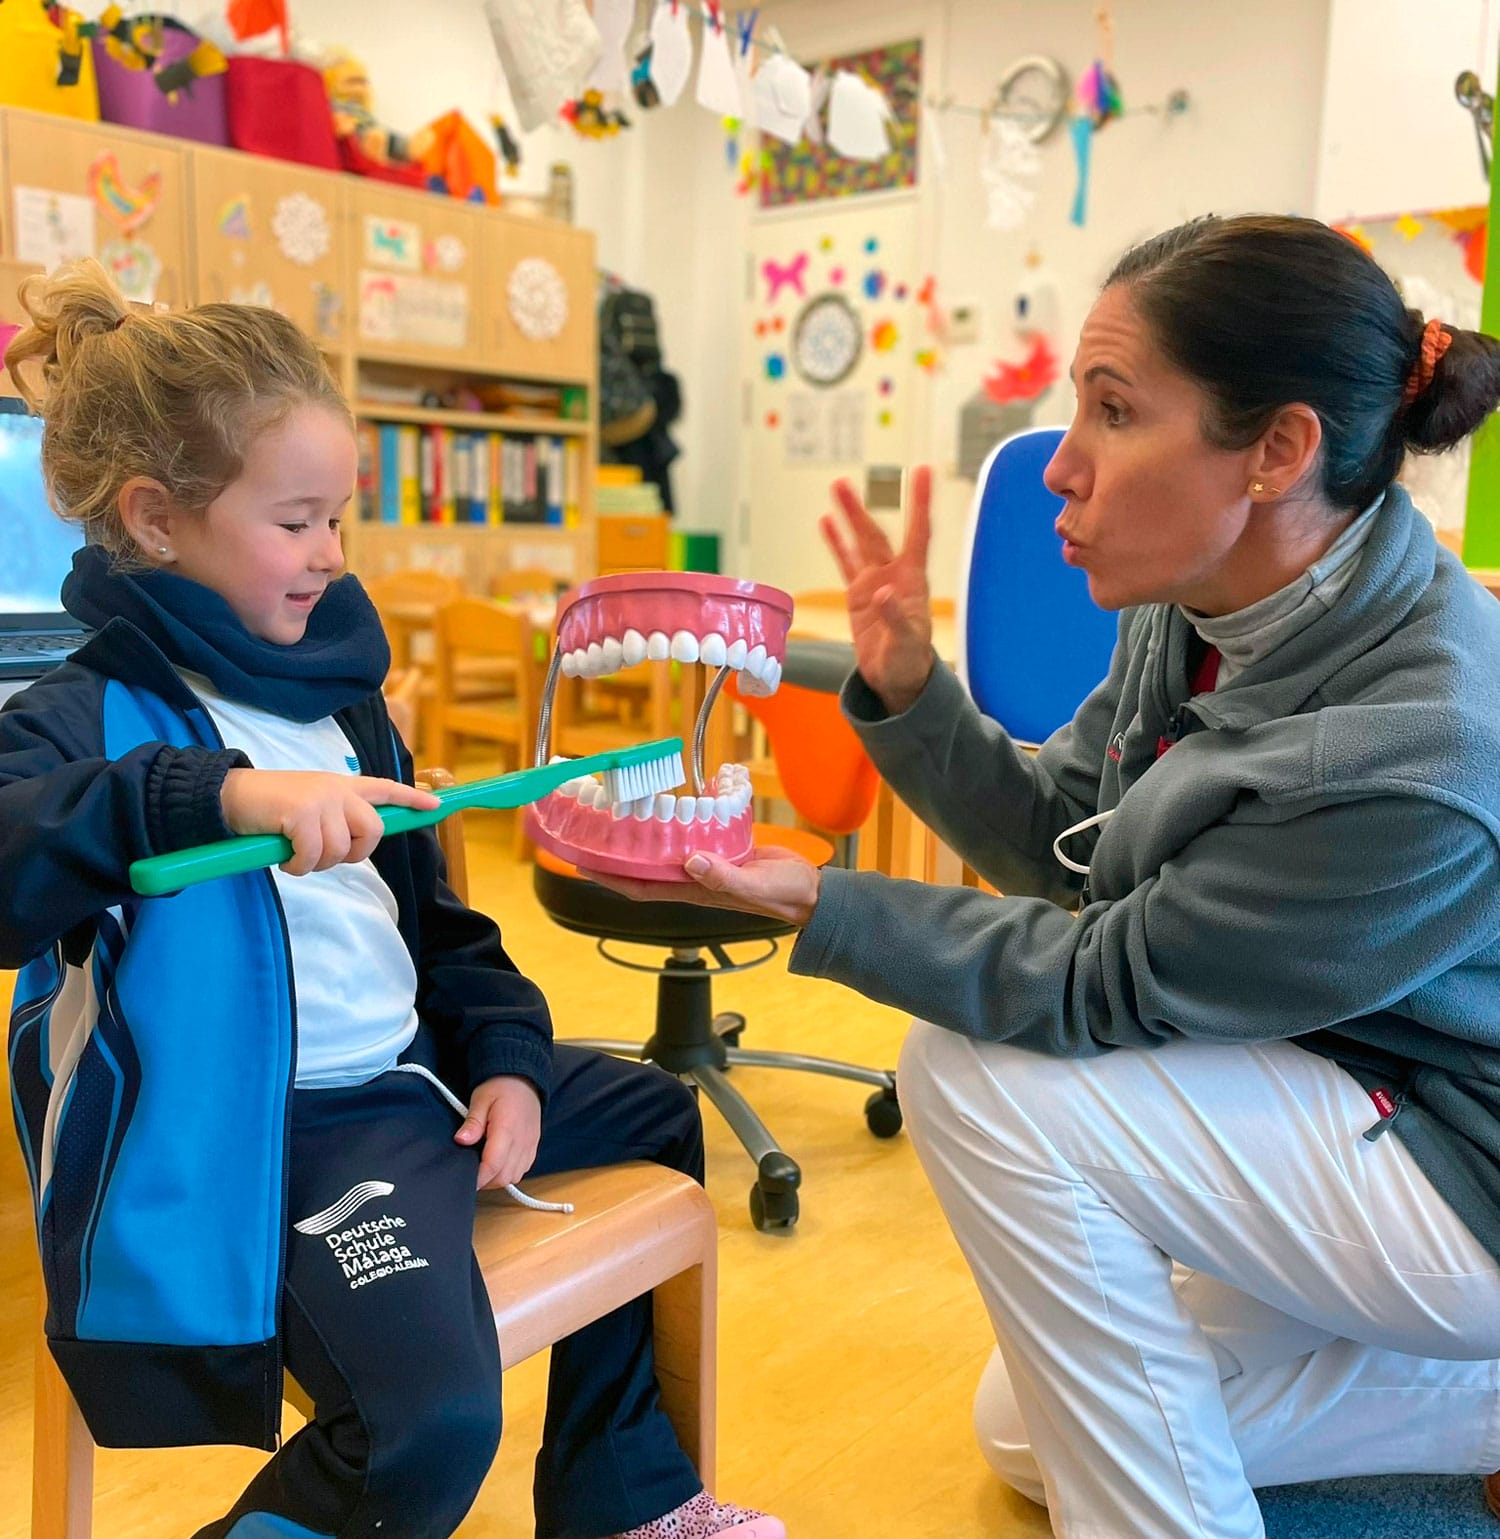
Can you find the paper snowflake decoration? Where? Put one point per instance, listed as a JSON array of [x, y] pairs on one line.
[[300, 226], [538, 299]]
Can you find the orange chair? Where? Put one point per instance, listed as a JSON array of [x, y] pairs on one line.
[[831, 784]]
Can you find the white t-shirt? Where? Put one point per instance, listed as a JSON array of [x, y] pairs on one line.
[[352, 976]]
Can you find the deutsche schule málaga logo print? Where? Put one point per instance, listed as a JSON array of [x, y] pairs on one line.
[[354, 1198]]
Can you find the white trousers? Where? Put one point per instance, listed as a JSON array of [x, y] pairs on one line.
[[1329, 1314]]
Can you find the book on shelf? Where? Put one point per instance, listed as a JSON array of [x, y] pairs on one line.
[[440, 475]]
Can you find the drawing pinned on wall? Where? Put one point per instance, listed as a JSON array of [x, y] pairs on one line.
[[394, 243], [135, 268], [233, 222], [52, 227], [789, 275], [126, 206], [446, 254], [303, 233], [826, 427], [256, 294], [398, 307], [328, 311]]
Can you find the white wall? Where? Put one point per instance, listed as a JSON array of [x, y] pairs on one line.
[[1394, 138]]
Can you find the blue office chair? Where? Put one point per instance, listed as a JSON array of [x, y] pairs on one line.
[[1031, 642]]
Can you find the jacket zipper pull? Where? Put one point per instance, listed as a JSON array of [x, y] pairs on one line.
[[1389, 1106]]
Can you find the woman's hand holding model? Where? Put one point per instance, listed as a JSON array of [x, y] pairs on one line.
[[890, 616]]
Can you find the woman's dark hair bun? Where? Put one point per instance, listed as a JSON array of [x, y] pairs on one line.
[[1465, 389]]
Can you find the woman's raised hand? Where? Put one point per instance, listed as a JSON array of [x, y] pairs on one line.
[[890, 608]]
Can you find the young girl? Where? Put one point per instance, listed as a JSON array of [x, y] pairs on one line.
[[237, 1104]]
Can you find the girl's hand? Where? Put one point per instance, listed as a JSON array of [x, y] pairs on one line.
[[890, 609], [328, 818], [507, 1113], [773, 881]]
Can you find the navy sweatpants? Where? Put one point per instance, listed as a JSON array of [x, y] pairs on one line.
[[387, 1326]]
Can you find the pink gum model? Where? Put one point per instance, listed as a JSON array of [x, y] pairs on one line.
[[616, 622]]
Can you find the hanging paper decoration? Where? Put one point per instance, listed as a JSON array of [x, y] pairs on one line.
[[547, 49], [589, 117], [783, 97], [857, 118], [1408, 226], [936, 163], [718, 88], [126, 206], [509, 145], [671, 49], [1098, 91], [300, 225], [779, 275], [1008, 161], [1082, 129], [1024, 381], [818, 87], [613, 19], [537, 298]]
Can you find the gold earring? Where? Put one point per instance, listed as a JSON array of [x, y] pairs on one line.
[[1259, 489]]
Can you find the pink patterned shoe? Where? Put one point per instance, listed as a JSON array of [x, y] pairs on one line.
[[704, 1518]]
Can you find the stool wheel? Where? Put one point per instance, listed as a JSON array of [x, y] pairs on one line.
[[883, 1114], [772, 1212]]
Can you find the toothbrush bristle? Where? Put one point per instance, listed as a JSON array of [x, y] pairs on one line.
[[633, 781]]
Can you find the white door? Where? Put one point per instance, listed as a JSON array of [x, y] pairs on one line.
[[833, 340]]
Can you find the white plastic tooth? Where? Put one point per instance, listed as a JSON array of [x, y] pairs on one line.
[[614, 654], [642, 808], [618, 810], [558, 758], [658, 647], [687, 807], [704, 810], [666, 806], [594, 664], [580, 662], [570, 788], [569, 665], [742, 797], [724, 809], [735, 654], [771, 678], [714, 650], [633, 648], [755, 661], [684, 647]]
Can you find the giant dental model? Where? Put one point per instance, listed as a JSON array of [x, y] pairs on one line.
[[618, 622]]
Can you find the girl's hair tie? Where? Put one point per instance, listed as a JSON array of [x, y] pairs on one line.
[[1435, 342]]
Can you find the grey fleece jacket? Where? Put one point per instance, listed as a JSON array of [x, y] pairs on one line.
[[1315, 858]]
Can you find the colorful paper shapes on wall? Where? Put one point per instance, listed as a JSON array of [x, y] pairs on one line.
[[775, 366], [791, 275], [1026, 380], [884, 336], [874, 284]]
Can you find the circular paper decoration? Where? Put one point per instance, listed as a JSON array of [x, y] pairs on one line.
[[538, 299], [827, 340], [300, 225]]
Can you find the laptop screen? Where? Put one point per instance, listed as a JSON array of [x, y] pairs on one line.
[[37, 545]]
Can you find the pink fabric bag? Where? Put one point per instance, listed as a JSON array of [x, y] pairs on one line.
[[132, 98]]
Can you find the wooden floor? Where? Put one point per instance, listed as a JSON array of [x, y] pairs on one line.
[[848, 1350]]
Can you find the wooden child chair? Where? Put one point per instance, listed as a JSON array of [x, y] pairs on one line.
[[635, 1228]]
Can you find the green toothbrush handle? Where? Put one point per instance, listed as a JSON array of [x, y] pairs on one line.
[[157, 875]]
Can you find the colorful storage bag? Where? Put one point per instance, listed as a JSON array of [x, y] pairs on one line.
[[134, 97], [278, 107], [31, 61]]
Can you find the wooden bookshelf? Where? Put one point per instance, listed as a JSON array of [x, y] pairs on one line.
[[393, 282]]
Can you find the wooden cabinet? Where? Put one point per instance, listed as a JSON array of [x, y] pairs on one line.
[[136, 186], [272, 234], [414, 259], [538, 291]]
